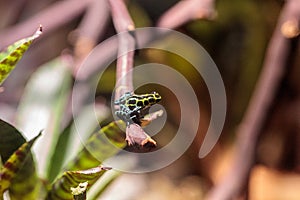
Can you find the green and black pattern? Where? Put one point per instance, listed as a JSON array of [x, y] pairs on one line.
[[134, 107]]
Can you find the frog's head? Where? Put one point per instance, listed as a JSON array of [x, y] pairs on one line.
[[155, 96]]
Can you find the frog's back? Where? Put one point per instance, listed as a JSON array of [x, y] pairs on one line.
[[142, 101]]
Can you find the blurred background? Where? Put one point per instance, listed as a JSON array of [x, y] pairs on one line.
[[236, 39]]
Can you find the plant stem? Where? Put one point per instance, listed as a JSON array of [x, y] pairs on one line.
[[89, 30], [185, 11], [51, 18], [272, 73], [124, 25]]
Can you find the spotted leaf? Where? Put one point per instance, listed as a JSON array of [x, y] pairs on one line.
[[102, 144], [13, 165], [13, 53], [63, 187]]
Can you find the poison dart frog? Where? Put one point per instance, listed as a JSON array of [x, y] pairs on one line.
[[134, 107]]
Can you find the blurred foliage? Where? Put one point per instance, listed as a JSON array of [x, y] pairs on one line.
[[19, 166], [18, 175], [37, 97], [43, 106]]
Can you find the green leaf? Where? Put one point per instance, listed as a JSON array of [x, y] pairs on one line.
[[84, 123], [14, 164], [43, 106], [79, 192], [59, 155], [61, 188], [26, 185], [100, 186], [11, 140], [103, 144], [13, 53], [18, 174]]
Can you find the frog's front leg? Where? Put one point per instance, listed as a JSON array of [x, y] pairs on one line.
[[123, 98], [136, 109], [134, 114], [127, 115], [123, 113]]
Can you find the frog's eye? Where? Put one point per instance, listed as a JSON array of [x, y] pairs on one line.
[[157, 96]]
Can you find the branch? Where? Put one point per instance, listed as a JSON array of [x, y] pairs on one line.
[[90, 29], [51, 18], [187, 10], [260, 104], [191, 9], [84, 39], [123, 24], [135, 135], [11, 11]]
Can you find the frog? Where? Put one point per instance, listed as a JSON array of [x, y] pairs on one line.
[[133, 107]]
